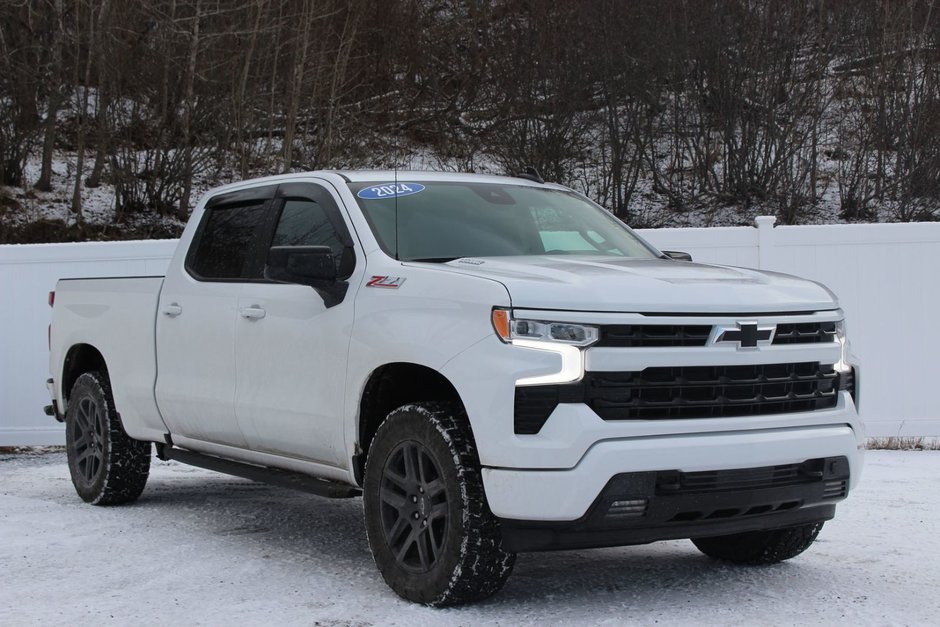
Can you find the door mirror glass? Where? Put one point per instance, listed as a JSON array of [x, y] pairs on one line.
[[306, 265]]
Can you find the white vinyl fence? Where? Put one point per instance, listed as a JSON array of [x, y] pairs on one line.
[[884, 274], [27, 274]]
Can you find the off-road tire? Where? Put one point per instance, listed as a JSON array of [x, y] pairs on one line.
[[470, 563], [108, 467], [756, 548]]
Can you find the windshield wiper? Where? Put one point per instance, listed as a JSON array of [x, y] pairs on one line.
[[435, 259]]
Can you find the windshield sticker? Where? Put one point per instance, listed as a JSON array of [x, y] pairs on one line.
[[390, 190]]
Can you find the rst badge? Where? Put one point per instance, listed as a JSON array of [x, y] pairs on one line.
[[391, 282]]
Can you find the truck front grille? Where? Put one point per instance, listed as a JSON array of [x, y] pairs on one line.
[[805, 333], [659, 335], [671, 482], [654, 335], [685, 392], [711, 391]]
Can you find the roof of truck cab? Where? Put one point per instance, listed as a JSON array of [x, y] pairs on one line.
[[370, 176], [383, 176]]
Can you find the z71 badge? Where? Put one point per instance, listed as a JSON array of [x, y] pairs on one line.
[[393, 282]]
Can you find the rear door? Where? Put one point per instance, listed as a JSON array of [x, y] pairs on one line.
[[197, 315], [292, 341]]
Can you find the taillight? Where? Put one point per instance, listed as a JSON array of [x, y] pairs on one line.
[[51, 300]]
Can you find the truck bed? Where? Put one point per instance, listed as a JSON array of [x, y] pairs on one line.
[[117, 316]]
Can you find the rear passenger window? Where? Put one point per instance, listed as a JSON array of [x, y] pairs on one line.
[[224, 247]]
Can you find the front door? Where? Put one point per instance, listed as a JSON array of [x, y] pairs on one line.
[[292, 341]]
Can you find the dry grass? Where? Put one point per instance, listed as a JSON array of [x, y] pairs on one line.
[[30, 450], [910, 443]]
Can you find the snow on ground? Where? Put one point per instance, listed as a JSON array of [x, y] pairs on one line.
[[203, 548], [97, 203]]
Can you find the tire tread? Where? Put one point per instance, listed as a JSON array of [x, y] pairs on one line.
[[757, 548], [127, 461], [483, 566]]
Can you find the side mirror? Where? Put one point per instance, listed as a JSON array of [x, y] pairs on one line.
[[301, 264], [678, 256]]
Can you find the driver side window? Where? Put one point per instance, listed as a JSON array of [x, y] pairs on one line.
[[305, 223]]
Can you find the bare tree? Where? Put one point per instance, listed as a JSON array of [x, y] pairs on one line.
[[82, 101], [54, 86], [189, 103], [243, 114], [103, 94], [19, 118], [667, 112], [296, 87]]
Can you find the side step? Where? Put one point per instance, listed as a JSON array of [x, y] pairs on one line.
[[273, 476]]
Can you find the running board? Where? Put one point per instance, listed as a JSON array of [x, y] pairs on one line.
[[273, 476]]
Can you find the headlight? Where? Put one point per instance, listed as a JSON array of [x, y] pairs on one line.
[[564, 339], [847, 373], [843, 364], [509, 329]]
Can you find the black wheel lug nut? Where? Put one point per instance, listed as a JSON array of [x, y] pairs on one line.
[[414, 499]]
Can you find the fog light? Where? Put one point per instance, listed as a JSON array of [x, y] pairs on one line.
[[634, 508]]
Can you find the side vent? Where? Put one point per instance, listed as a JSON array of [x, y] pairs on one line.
[[834, 489]]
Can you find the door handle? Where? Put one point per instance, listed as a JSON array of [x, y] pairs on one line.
[[252, 313], [172, 310]]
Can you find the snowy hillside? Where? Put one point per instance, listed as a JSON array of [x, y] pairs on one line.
[[670, 114]]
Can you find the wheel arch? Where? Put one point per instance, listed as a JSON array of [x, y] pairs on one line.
[[79, 359], [388, 387]]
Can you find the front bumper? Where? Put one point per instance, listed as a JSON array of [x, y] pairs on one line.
[[567, 495], [635, 508]]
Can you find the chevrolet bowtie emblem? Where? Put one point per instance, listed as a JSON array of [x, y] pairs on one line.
[[745, 334]]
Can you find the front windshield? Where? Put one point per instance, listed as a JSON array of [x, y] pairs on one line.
[[440, 221]]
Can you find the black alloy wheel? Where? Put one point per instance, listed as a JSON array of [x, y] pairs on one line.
[[431, 531], [414, 507], [87, 440]]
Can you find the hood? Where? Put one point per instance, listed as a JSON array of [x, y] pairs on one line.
[[589, 283]]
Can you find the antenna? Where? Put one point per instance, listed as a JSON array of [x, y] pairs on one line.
[[396, 210], [398, 149], [531, 174]]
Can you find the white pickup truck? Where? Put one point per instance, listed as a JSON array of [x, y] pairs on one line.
[[495, 364]]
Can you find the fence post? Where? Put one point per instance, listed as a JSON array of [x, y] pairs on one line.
[[765, 241]]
